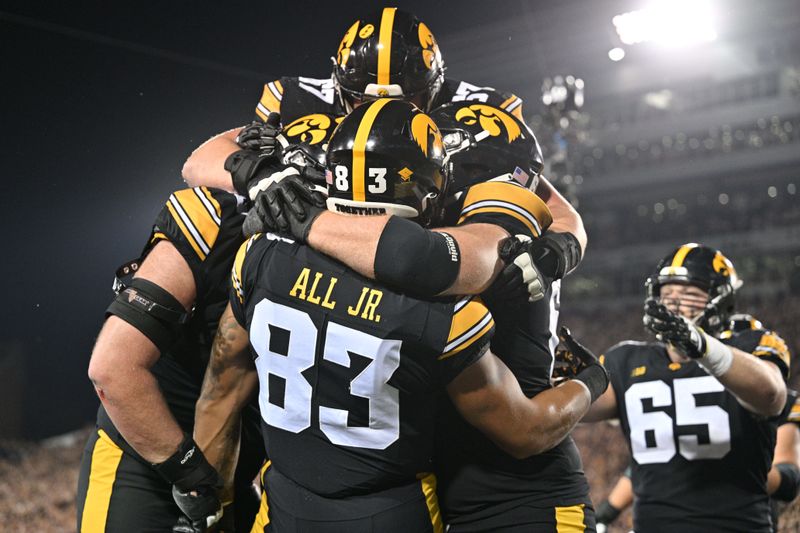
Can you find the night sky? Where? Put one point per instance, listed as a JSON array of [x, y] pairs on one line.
[[101, 105]]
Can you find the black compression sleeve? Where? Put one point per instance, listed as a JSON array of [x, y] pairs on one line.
[[790, 482], [416, 260]]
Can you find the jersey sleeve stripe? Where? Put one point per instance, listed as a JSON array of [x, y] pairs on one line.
[[771, 344], [469, 338], [268, 103], [500, 195], [211, 203], [794, 414], [177, 216], [199, 217], [238, 263], [490, 206]]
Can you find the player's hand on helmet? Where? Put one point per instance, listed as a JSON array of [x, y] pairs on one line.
[[288, 207], [674, 329], [261, 136], [576, 361]]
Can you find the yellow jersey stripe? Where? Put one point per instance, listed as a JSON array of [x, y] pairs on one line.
[[468, 340], [211, 203], [570, 519], [428, 485], [278, 86], [199, 217], [680, 255], [507, 195], [385, 45], [178, 220], [262, 518], [530, 223], [360, 145], [105, 460], [268, 103], [466, 317], [238, 263]]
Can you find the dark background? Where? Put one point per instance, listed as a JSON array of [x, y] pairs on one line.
[[101, 103]]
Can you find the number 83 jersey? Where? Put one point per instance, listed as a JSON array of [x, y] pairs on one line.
[[349, 371], [700, 459]]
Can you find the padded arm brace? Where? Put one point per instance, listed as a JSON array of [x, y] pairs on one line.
[[416, 260], [152, 310]]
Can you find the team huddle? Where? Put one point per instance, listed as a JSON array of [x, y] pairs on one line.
[[356, 305]]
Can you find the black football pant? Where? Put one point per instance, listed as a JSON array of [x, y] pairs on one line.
[[118, 492], [528, 519], [289, 508]]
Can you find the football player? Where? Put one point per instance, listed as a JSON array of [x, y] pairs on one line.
[[699, 408], [147, 367], [350, 370]]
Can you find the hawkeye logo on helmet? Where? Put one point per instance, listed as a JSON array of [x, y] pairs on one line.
[[311, 129], [426, 134], [722, 265], [492, 120], [430, 50], [343, 54]]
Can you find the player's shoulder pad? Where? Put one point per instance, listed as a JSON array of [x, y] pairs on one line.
[[238, 265], [794, 411], [459, 91], [470, 322], [763, 343], [271, 97], [194, 220], [505, 197]]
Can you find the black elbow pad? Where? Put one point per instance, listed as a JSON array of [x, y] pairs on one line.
[[416, 260], [152, 310]]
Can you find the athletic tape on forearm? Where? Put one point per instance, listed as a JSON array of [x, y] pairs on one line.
[[416, 260], [718, 358]]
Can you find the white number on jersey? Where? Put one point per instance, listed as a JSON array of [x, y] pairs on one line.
[[467, 91], [321, 88], [687, 413], [371, 383]]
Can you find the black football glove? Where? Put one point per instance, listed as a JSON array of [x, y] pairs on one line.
[[674, 329], [261, 136], [509, 288], [194, 484], [584, 365], [606, 513], [288, 207]]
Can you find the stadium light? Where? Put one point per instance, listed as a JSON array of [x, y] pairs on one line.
[[668, 22], [616, 54]]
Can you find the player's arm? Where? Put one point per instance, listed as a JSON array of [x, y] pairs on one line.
[[783, 479], [403, 254], [619, 499], [229, 384], [566, 218], [206, 164], [757, 382], [604, 408], [488, 396], [123, 355]]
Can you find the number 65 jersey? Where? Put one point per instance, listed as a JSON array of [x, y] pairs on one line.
[[349, 371], [700, 459]]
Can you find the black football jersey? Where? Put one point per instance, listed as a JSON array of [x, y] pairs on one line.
[[294, 97], [349, 371], [699, 459], [204, 225], [478, 480]]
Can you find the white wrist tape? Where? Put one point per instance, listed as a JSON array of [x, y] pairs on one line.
[[718, 358]]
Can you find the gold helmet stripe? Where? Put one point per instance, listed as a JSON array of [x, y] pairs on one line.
[[385, 45], [360, 145], [680, 255]]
